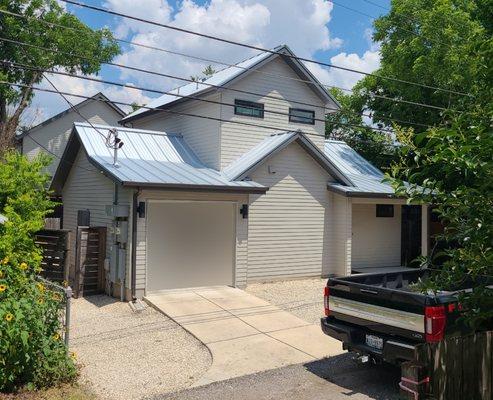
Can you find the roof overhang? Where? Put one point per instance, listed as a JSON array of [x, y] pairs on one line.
[[362, 194]]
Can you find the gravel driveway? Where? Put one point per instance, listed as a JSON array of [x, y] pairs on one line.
[[127, 355], [303, 297]]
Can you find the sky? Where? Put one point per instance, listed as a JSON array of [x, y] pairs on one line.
[[314, 29]]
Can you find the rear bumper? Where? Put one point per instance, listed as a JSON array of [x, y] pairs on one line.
[[353, 339]]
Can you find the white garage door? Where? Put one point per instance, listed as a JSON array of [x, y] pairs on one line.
[[189, 244]]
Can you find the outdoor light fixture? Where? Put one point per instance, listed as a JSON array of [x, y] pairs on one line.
[[244, 211], [141, 209]]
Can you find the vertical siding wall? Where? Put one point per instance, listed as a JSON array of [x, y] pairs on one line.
[[201, 134], [289, 227], [376, 241], [237, 139], [54, 135], [87, 188], [241, 231]]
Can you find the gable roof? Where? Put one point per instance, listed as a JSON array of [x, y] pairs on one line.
[[147, 159], [367, 178], [229, 74], [97, 97], [272, 144]]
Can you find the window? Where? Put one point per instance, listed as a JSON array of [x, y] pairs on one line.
[[385, 211], [301, 116], [249, 108]]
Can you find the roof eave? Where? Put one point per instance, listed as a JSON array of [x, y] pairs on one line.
[[197, 188], [362, 194]]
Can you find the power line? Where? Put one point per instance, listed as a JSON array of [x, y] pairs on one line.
[[232, 42], [278, 130], [225, 64], [206, 83], [23, 66]]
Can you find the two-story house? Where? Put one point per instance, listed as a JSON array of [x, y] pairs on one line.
[[229, 181]]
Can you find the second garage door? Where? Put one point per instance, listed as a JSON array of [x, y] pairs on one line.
[[190, 244]]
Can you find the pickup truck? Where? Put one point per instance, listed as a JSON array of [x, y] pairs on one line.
[[382, 317]]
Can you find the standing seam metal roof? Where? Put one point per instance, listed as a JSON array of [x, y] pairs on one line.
[[152, 158]]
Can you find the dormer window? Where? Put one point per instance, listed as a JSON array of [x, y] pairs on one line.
[[249, 108], [301, 116]]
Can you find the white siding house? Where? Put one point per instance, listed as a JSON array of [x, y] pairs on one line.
[[250, 191]]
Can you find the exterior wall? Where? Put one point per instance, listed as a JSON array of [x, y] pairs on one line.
[[201, 134], [289, 231], [54, 135], [340, 228], [236, 139], [241, 231], [87, 188], [376, 241]]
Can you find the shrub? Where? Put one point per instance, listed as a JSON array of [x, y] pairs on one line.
[[32, 353]]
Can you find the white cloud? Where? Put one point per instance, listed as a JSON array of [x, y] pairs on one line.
[[47, 104]]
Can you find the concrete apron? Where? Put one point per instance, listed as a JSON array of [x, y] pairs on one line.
[[244, 334]]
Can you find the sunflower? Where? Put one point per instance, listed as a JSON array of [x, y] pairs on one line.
[[40, 286], [2, 288], [1, 274], [56, 336], [23, 266], [5, 260], [9, 317], [56, 297]]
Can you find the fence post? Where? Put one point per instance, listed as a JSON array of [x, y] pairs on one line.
[[66, 253], [68, 293]]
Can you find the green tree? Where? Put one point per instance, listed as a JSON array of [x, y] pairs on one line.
[[347, 124], [97, 45], [451, 167], [430, 42]]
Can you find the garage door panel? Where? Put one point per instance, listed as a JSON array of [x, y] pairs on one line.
[[190, 244]]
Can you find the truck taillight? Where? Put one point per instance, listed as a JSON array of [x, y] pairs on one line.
[[435, 320], [326, 300]]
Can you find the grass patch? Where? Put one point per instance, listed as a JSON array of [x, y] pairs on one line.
[[64, 392]]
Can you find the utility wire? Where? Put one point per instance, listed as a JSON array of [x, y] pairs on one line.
[[232, 42], [209, 60], [204, 83], [23, 66], [164, 109]]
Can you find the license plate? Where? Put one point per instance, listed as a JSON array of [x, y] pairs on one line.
[[374, 341]]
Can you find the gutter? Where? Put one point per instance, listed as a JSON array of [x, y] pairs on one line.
[[361, 194], [134, 245]]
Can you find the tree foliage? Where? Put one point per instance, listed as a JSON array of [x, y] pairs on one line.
[[451, 167], [31, 350], [347, 124], [96, 45], [432, 43]]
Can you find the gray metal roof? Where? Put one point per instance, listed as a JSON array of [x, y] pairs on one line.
[[366, 178], [224, 76], [239, 168], [152, 158]]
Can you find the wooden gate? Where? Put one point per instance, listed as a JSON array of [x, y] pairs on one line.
[[55, 245], [89, 261]]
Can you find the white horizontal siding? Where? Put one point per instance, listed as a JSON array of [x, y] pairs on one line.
[[236, 139], [201, 134], [87, 188], [376, 241], [241, 230], [340, 227], [289, 227], [54, 135]]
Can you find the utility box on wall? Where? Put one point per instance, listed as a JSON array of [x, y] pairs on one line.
[[117, 211]]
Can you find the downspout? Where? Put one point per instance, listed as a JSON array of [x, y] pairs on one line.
[[134, 244], [117, 261]]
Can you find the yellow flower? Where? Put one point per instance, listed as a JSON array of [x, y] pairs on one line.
[[9, 317], [40, 301], [40, 286], [5, 260], [73, 355], [1, 274], [56, 297], [65, 283], [2, 288], [23, 266], [56, 336]]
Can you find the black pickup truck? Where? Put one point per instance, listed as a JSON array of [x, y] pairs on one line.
[[381, 317]]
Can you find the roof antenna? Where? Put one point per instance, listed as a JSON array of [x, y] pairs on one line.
[[116, 144]]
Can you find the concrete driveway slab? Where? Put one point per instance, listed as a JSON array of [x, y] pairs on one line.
[[245, 334]]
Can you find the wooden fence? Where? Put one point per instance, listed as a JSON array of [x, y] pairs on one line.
[[89, 261], [453, 369], [55, 245]]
